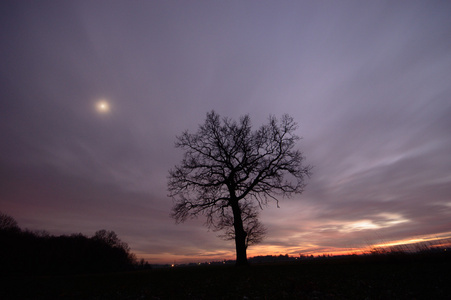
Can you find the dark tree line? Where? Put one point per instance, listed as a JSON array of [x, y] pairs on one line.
[[27, 252]]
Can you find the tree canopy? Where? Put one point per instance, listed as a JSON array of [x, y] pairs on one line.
[[7, 222], [227, 165]]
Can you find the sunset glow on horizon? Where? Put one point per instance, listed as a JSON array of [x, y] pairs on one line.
[[314, 250]]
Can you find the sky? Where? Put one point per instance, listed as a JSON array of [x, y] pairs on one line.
[[368, 82]]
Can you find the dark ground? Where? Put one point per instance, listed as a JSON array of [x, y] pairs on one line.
[[381, 277]]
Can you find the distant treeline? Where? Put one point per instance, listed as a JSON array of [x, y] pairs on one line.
[[27, 252]]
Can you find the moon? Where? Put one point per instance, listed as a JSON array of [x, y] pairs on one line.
[[103, 106]]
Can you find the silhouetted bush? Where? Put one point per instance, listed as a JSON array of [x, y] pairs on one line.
[[23, 251]]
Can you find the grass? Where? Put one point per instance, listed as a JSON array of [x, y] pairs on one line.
[[393, 276]]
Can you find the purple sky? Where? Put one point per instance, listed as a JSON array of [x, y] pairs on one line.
[[369, 83]]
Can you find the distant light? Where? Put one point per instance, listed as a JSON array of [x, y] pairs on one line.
[[103, 106]]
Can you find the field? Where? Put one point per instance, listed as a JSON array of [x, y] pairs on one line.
[[371, 277]]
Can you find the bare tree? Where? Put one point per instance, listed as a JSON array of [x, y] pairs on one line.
[[255, 231], [111, 239], [8, 223], [226, 164]]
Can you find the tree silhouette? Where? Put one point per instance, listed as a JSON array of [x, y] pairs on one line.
[[255, 231], [226, 164], [8, 223], [111, 239]]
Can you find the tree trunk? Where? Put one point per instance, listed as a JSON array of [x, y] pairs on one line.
[[240, 235]]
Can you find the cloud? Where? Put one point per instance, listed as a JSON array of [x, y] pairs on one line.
[[367, 83]]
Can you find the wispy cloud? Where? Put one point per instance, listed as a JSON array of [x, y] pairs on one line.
[[368, 84]]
